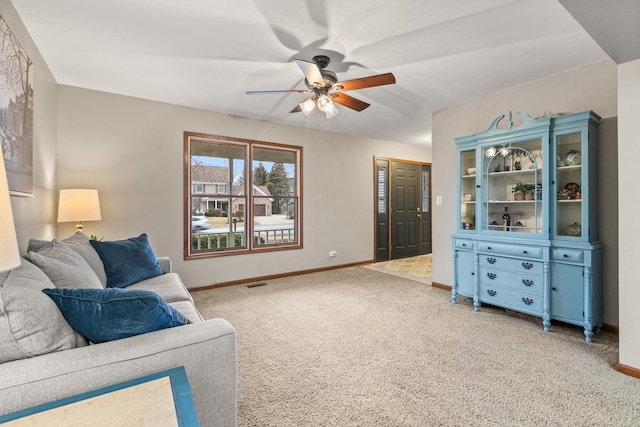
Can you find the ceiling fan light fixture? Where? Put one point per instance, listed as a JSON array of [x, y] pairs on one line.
[[331, 110], [307, 106], [324, 88], [324, 103]]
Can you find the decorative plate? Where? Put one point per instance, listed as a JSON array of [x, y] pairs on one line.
[[572, 158]]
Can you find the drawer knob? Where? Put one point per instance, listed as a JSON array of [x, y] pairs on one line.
[[464, 244], [524, 252], [527, 301], [491, 292], [491, 275], [527, 282], [527, 265], [491, 260], [566, 256], [489, 248]]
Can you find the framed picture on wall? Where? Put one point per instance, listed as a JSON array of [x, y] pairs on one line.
[[16, 112]]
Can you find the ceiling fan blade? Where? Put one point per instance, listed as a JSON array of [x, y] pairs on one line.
[[311, 72], [275, 92], [349, 101], [364, 82]]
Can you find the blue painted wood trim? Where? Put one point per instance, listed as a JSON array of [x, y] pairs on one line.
[[182, 399]]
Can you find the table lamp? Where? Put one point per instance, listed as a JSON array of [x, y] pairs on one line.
[[9, 253], [78, 205]]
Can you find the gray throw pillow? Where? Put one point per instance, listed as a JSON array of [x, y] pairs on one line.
[[30, 322], [79, 242], [65, 267]]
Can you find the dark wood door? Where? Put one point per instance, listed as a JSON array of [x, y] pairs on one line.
[[406, 179]]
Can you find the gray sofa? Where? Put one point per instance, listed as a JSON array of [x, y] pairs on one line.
[[42, 359]]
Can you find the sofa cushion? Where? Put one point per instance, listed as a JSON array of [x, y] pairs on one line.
[[168, 286], [65, 267], [188, 311], [79, 242], [109, 314], [30, 323], [127, 261]]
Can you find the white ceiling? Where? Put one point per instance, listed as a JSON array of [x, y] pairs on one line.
[[207, 53]]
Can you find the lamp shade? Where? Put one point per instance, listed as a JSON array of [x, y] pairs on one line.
[[9, 253], [79, 205]]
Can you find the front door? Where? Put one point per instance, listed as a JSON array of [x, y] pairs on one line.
[[403, 209], [406, 180]]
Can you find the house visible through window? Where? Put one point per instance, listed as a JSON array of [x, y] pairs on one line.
[[241, 196]]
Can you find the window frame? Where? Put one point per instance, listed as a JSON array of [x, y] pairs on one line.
[[247, 193]]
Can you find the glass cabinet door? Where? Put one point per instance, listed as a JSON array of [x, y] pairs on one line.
[[568, 173], [512, 187], [467, 190]]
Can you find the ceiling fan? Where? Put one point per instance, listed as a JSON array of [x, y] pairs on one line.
[[324, 88]]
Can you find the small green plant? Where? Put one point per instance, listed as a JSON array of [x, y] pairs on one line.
[[517, 165], [96, 238], [523, 188]]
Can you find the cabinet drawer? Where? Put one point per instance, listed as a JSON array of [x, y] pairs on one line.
[[512, 280], [464, 244], [520, 251], [515, 265], [571, 255], [520, 301]]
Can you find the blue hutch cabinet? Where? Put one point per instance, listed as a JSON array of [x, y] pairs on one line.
[[527, 236]]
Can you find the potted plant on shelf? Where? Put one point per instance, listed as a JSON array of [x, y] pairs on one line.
[[522, 191], [517, 154]]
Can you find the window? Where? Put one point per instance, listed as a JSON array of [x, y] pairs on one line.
[[241, 196]]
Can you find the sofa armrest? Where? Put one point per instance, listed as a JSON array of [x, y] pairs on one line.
[[207, 350], [165, 264]]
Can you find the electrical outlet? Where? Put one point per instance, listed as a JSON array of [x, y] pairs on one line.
[[333, 253]]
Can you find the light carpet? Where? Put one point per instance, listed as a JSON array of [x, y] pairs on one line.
[[356, 347]]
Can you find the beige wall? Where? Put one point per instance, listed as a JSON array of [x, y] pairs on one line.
[[131, 151], [34, 216], [588, 88], [629, 153]]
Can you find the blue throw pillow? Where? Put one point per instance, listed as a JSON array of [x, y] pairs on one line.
[[102, 315], [127, 261]]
